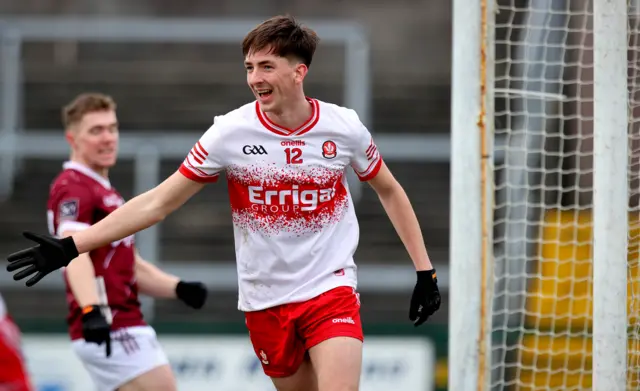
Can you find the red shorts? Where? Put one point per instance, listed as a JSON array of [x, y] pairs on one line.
[[282, 335], [13, 372]]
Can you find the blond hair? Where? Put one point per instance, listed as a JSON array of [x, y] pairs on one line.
[[83, 104]]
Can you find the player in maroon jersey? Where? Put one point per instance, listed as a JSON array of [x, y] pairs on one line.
[[102, 286], [14, 374]]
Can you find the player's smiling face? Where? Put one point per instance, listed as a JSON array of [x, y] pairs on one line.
[[274, 80], [94, 140]]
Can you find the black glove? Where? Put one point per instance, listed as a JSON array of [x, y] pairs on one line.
[[426, 297], [95, 327], [193, 294], [50, 254]]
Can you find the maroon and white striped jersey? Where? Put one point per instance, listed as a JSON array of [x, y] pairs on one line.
[[295, 227]]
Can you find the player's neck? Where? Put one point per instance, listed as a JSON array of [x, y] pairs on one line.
[[294, 115], [102, 171]]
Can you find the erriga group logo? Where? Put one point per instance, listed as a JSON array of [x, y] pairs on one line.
[[275, 200], [297, 198]]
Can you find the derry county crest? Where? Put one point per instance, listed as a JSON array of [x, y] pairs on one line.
[[329, 149]]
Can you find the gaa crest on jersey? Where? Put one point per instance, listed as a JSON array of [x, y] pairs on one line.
[[68, 210], [254, 150], [329, 149]]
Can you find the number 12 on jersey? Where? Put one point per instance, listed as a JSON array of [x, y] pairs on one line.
[[294, 155]]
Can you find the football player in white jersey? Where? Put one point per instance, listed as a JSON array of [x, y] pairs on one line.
[[285, 156]]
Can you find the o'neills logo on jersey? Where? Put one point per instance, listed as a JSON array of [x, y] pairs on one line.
[[287, 200], [112, 200]]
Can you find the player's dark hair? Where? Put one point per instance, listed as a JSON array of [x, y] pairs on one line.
[[83, 104], [285, 37]]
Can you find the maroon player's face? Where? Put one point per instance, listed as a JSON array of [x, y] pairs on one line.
[[94, 140], [274, 80]]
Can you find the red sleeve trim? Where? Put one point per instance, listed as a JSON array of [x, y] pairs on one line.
[[372, 174], [184, 170]]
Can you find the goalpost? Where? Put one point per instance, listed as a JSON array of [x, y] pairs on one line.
[[545, 196]]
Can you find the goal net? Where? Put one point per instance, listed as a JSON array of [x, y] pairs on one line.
[[557, 170]]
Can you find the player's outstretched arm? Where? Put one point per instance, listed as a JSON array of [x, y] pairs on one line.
[[152, 281], [135, 215], [139, 213], [426, 296]]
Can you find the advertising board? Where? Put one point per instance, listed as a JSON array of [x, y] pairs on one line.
[[228, 363]]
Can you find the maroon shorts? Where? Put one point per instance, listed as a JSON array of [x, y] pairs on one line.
[[282, 335], [13, 372]]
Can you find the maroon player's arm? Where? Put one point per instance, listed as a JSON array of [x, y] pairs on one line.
[[154, 282], [82, 278], [398, 207], [139, 213]]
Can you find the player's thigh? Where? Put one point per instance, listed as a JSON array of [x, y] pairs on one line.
[[335, 313], [157, 379], [332, 330], [303, 380], [337, 363]]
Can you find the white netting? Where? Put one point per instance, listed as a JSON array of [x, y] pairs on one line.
[[542, 292]]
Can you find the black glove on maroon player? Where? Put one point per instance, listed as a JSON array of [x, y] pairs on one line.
[[95, 327], [193, 294]]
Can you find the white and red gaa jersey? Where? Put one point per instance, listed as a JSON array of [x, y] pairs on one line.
[[295, 227]]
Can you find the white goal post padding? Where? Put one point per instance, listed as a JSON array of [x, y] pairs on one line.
[[545, 240]]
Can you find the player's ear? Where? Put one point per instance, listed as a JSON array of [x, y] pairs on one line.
[[300, 72], [69, 135]]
